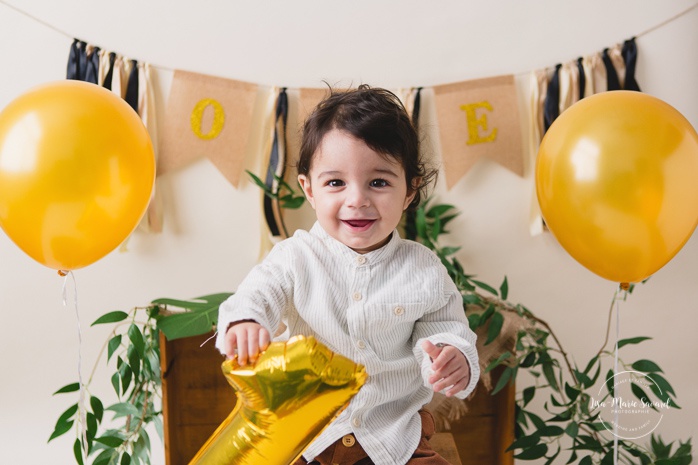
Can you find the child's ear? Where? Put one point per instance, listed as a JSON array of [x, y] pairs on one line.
[[411, 193], [304, 181]]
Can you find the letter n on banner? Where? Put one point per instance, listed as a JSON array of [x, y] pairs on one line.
[[476, 118], [207, 116]]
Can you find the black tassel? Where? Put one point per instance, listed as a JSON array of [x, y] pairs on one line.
[[551, 107], [612, 81], [629, 53]]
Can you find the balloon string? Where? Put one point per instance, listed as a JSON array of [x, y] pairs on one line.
[[82, 411], [616, 416]]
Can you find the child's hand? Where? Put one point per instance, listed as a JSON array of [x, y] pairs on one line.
[[247, 337], [450, 368]]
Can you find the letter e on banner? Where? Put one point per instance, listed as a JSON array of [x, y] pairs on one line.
[[491, 126], [476, 122]]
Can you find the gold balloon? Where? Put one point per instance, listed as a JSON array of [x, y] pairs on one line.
[[284, 401], [76, 172], [616, 179]]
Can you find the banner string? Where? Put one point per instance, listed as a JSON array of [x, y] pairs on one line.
[[166, 68], [82, 411]]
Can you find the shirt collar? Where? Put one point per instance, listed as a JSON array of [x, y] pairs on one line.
[[348, 254]]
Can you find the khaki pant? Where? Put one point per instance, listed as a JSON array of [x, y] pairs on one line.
[[347, 451]]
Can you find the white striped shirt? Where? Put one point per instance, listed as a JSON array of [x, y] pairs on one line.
[[375, 309]]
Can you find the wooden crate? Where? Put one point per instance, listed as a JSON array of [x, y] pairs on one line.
[[197, 398]]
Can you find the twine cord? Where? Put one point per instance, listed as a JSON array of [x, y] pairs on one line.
[[82, 410]]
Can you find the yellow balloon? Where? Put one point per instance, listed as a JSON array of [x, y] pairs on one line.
[[616, 178], [76, 172], [284, 401]]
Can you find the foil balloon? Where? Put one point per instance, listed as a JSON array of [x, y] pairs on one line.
[[284, 400], [616, 181], [76, 172]]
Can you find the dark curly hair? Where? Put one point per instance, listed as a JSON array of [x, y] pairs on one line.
[[377, 117]]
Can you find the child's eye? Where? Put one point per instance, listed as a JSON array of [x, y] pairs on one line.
[[335, 183], [379, 183]]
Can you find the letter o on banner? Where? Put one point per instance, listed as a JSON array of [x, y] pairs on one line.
[[197, 116]]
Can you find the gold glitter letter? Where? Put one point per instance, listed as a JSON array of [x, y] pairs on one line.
[[474, 123], [197, 115]]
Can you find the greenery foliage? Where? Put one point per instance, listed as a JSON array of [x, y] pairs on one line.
[[570, 431]]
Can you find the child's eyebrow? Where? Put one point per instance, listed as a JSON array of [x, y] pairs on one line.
[[386, 171], [329, 173]]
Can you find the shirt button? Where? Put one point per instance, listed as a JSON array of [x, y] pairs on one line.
[[356, 296], [348, 440], [356, 422], [360, 344], [398, 311], [360, 259]]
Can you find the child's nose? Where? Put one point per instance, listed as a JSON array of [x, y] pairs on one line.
[[357, 198]]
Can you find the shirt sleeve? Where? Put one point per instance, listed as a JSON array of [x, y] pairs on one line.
[[262, 296], [447, 324]]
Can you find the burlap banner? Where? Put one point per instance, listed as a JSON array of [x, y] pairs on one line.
[[207, 116], [478, 118]]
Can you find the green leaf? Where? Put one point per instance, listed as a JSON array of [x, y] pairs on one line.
[[136, 338], [77, 451], [609, 383], [115, 382], [60, 429], [111, 317], [67, 414], [257, 181], [571, 392], [110, 441], [97, 408], [662, 383], [504, 289], [485, 286], [495, 327], [294, 203], [499, 360], [572, 430], [632, 340], [474, 321], [125, 459], [533, 453], [122, 409], [450, 250], [105, 457], [126, 377], [506, 375], [114, 344], [528, 394], [421, 223], [201, 318], [525, 442], [437, 211], [551, 431], [550, 375], [646, 366], [134, 362], [72, 387], [640, 394], [536, 420], [586, 460]]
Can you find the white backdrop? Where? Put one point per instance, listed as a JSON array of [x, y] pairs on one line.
[[211, 233]]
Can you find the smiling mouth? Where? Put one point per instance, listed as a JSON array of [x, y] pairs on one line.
[[359, 224]]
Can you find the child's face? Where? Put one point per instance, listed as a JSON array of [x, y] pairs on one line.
[[358, 194]]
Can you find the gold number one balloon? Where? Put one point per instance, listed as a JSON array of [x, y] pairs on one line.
[[285, 400]]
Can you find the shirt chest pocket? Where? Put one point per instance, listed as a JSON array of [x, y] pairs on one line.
[[393, 323]]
